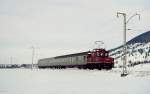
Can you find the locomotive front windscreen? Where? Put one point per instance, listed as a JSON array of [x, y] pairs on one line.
[[102, 54]]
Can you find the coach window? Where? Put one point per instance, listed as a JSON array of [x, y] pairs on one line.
[[76, 58]]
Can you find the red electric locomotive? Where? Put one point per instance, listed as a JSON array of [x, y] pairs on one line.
[[99, 58]]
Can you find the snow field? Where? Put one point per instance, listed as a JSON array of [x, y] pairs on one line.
[[73, 81]]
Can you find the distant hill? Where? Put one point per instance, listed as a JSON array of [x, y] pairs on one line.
[[138, 50], [143, 38]]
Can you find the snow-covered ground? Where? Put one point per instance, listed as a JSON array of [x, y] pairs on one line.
[[74, 81], [138, 52]]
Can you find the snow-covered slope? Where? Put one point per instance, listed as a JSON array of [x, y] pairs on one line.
[[138, 51]]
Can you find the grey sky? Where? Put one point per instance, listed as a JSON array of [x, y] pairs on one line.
[[57, 27]]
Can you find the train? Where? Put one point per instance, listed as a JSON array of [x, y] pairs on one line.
[[98, 58]]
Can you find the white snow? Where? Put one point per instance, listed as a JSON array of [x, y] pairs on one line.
[[74, 81]]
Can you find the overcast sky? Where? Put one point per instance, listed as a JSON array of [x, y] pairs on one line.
[[57, 27]]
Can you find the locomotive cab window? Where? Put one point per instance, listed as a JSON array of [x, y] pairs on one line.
[[97, 54], [106, 54]]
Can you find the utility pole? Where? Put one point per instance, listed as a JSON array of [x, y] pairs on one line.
[[124, 73], [33, 50], [11, 60]]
